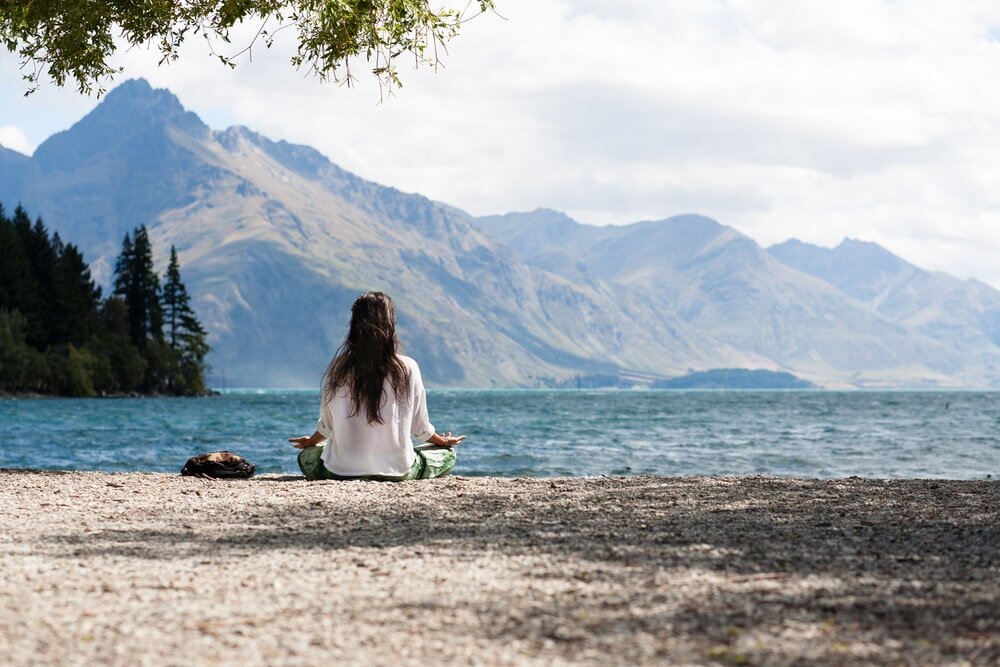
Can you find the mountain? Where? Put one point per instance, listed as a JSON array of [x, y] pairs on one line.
[[724, 285], [122, 165], [12, 168], [963, 314], [275, 242]]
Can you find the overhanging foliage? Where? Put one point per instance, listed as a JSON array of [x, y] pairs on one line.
[[76, 40]]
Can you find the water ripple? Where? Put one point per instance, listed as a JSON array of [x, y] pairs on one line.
[[545, 433]]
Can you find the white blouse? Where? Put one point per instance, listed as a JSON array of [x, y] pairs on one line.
[[354, 447]]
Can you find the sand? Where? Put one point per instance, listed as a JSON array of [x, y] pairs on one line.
[[153, 569]]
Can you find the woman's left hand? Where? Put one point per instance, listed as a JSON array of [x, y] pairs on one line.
[[446, 439]]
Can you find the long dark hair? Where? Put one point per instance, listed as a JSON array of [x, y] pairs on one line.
[[368, 356]]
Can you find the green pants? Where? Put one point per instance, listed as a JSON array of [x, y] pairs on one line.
[[430, 462]]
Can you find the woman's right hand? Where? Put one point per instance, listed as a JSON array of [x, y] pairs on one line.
[[304, 441], [301, 442]]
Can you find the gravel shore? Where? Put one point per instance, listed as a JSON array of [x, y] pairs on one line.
[[153, 569]]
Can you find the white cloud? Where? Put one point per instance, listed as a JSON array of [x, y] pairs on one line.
[[818, 120], [14, 138]]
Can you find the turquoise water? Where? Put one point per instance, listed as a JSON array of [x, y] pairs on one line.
[[545, 433]]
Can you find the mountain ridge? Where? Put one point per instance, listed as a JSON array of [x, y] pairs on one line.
[[963, 313], [269, 232], [709, 273], [276, 240]]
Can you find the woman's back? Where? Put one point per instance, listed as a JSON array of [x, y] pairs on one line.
[[373, 403], [359, 446]]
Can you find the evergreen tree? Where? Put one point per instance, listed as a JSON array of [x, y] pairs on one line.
[[35, 279], [75, 297], [148, 286], [123, 287], [57, 336], [47, 301], [126, 368], [175, 298], [186, 335], [138, 285], [194, 348], [16, 278], [42, 253]]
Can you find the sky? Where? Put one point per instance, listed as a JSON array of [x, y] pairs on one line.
[[874, 120]]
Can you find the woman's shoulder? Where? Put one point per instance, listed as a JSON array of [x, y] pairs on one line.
[[409, 362]]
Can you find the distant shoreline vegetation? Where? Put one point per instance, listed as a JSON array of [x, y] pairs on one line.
[[735, 378], [59, 337], [718, 378]]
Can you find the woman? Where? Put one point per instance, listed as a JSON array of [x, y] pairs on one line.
[[373, 403]]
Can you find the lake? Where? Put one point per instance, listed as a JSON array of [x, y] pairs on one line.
[[546, 432]]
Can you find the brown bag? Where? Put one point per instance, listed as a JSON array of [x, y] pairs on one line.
[[222, 465]]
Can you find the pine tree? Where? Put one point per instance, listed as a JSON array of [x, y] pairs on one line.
[[126, 368], [137, 283], [194, 348], [186, 335], [35, 284], [75, 296], [17, 282], [124, 282], [175, 298], [57, 336], [148, 286]]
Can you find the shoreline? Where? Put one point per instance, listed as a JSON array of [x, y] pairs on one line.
[[154, 568], [23, 396], [985, 477]]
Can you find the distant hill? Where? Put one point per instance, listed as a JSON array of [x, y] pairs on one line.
[[735, 378], [962, 314], [275, 241], [724, 285]]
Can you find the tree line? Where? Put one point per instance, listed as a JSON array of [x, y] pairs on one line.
[[59, 336]]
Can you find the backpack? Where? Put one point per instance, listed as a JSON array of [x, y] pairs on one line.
[[225, 465]]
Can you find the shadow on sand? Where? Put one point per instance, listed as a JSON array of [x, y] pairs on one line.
[[906, 568]]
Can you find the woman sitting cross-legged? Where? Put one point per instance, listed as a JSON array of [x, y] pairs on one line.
[[373, 403]]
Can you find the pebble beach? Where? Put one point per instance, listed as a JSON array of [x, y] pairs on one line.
[[158, 569]]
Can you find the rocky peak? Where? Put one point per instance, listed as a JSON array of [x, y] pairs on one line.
[[871, 254], [133, 109], [136, 103]]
